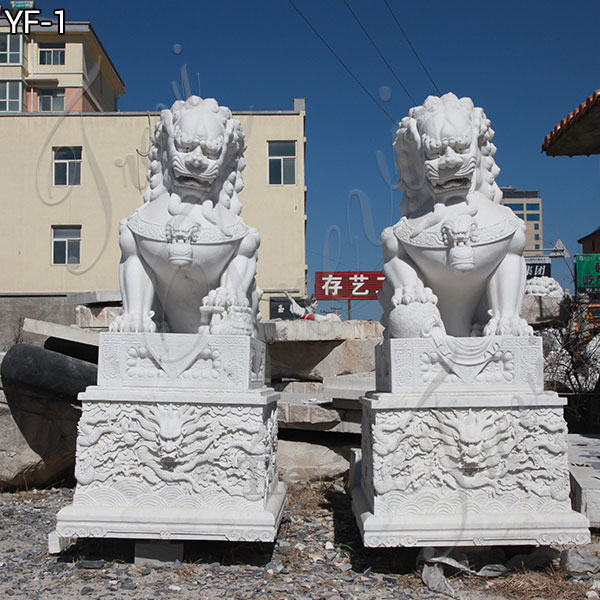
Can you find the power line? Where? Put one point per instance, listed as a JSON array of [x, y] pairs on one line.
[[387, 64], [412, 47], [364, 89]]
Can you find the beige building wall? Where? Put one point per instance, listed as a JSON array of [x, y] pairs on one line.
[[113, 177]]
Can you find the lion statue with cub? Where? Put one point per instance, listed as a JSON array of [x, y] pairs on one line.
[[188, 259], [454, 262]]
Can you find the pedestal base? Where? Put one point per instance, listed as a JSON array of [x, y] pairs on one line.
[[175, 464], [166, 523], [471, 452], [464, 528]]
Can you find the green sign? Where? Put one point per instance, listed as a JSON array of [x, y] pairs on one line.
[[587, 270], [27, 5]]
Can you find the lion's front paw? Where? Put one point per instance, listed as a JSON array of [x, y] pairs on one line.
[[508, 326], [225, 312], [413, 293], [134, 323]]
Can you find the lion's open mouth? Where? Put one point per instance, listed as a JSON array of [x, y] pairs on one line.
[[191, 182], [446, 185], [195, 181]]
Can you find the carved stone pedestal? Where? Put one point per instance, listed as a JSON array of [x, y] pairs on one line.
[[463, 448], [178, 441]]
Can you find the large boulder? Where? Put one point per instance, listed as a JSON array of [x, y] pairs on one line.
[[39, 415], [307, 461]]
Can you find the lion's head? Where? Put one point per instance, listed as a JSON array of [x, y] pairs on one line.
[[197, 154], [445, 152]]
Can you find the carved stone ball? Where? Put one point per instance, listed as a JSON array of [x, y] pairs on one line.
[[412, 320]]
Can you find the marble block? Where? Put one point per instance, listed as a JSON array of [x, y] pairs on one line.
[[180, 360], [446, 364], [443, 465], [166, 457]]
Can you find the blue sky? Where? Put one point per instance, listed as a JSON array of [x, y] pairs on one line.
[[528, 64]]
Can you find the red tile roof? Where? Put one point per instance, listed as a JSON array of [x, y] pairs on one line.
[[570, 120]]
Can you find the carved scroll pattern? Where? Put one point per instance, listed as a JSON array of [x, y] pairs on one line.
[[488, 458], [175, 454]]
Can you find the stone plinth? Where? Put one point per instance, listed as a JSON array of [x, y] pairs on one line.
[[470, 451], [176, 448], [453, 365], [181, 360]]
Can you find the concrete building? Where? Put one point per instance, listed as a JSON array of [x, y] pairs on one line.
[[75, 167], [50, 72], [527, 205]]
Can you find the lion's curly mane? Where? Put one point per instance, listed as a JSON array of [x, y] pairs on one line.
[[410, 153], [230, 178]]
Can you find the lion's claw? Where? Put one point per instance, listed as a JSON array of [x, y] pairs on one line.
[[508, 326], [417, 293], [134, 323]]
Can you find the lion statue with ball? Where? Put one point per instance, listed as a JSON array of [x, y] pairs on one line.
[[188, 260], [454, 261]]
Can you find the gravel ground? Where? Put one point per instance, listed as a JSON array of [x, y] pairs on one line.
[[318, 556]]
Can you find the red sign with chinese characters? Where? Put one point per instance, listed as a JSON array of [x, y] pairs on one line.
[[348, 285]]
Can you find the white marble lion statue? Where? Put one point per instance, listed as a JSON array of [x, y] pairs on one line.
[[454, 261], [188, 259]]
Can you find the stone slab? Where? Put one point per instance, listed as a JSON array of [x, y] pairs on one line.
[[385, 401], [584, 458], [314, 361], [443, 363], [297, 411], [95, 297], [64, 332], [317, 331], [309, 388], [180, 360], [348, 387]]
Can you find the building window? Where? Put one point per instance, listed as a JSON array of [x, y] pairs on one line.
[[514, 206], [10, 49], [536, 226], [10, 96], [282, 163], [533, 217], [67, 166], [537, 236], [52, 54], [51, 100], [520, 215], [66, 245], [537, 246], [534, 206]]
